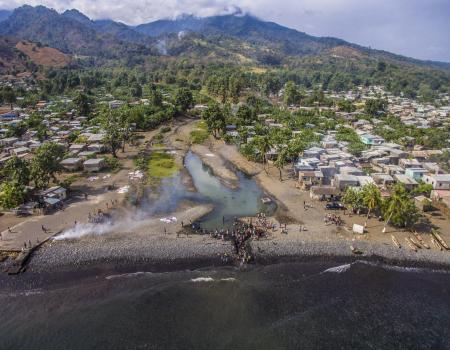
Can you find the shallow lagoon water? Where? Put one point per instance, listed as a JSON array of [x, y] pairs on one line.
[[228, 203]]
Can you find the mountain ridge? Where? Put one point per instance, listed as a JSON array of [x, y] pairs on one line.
[[75, 33]]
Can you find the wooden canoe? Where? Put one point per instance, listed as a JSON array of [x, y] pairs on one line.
[[396, 242], [410, 244], [421, 241], [417, 244], [436, 243], [440, 239]]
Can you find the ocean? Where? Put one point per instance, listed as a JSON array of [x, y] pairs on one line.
[[294, 305]]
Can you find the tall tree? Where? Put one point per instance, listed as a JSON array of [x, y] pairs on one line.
[[9, 95], [113, 128], [281, 160], [399, 209], [371, 197], [263, 144], [183, 99], [214, 118], [292, 95], [16, 170], [46, 164], [12, 194], [82, 103]]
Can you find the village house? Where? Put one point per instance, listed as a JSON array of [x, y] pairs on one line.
[[94, 165], [409, 163], [72, 164], [77, 148], [342, 181], [307, 179], [370, 140], [383, 179], [323, 192], [438, 181], [416, 173], [407, 181]]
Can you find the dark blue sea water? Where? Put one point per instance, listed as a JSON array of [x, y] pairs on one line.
[[281, 306]]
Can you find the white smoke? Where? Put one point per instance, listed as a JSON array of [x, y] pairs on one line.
[[161, 46]]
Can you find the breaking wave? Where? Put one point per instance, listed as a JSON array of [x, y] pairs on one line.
[[202, 279], [346, 267], [338, 269]]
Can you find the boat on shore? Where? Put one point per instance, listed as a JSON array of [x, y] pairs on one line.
[[441, 241], [395, 241], [410, 244], [413, 241], [421, 241], [436, 243]]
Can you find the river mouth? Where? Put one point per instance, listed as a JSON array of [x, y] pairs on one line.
[[244, 201]]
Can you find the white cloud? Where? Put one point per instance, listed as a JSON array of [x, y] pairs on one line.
[[401, 26]]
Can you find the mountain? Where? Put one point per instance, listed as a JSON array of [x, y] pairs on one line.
[[20, 56], [248, 28], [70, 32], [4, 14], [233, 38], [272, 36], [77, 16], [108, 27]]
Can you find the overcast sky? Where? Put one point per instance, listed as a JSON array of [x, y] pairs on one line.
[[416, 28]]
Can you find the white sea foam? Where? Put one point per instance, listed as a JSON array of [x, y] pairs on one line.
[[403, 268], [202, 279], [129, 275], [338, 269], [229, 279], [346, 267], [26, 293]]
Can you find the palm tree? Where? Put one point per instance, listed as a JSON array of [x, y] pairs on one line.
[[281, 161], [371, 198], [399, 208], [263, 144], [352, 198]]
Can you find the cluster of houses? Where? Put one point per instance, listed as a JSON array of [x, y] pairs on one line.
[[328, 168], [81, 156]]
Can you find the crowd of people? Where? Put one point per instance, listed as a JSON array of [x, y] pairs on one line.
[[333, 219], [240, 233]]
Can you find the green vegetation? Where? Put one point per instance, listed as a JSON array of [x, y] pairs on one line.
[[398, 209], [161, 165], [200, 134], [113, 164]]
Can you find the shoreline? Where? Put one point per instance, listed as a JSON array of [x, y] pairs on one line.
[[107, 269]]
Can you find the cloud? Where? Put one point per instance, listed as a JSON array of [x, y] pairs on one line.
[[415, 28]]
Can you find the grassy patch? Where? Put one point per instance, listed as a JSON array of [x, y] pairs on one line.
[[200, 134], [161, 165]]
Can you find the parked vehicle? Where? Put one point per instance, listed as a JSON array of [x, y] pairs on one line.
[[335, 206]]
